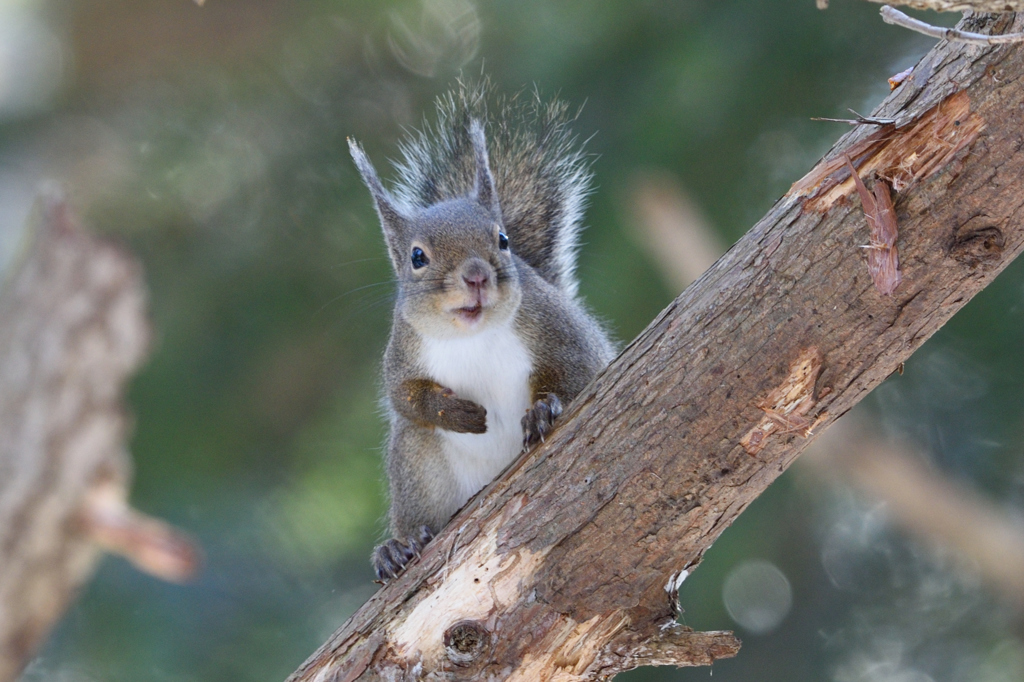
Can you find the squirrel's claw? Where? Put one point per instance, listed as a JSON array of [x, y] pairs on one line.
[[391, 558], [540, 419], [388, 559]]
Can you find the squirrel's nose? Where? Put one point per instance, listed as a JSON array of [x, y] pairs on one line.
[[475, 276]]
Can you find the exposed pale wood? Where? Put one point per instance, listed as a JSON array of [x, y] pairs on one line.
[[578, 549], [72, 328]]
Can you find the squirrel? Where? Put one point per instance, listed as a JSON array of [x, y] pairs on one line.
[[489, 342]]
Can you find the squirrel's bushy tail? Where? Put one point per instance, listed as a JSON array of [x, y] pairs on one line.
[[540, 171]]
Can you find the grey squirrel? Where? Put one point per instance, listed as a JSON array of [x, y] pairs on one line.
[[489, 342]]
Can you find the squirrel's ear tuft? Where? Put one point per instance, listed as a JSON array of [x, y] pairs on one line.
[[484, 191], [392, 220]]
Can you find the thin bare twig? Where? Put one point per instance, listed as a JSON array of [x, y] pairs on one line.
[[987, 6], [891, 15], [860, 120]]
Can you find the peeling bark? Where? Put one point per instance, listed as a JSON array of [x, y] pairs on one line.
[[883, 257], [566, 567]]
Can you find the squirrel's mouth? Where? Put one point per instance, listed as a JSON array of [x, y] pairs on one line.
[[470, 313]]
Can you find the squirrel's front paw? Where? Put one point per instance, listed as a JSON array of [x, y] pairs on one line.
[[462, 416], [540, 419], [393, 556]]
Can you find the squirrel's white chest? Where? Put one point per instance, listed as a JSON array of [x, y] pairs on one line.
[[491, 368]]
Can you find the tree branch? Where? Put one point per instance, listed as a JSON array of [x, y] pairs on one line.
[[575, 553], [990, 6], [72, 329], [895, 17]]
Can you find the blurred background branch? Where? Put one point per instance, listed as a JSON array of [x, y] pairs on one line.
[[72, 330], [933, 507]]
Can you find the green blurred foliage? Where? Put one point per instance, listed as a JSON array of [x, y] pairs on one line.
[[213, 141]]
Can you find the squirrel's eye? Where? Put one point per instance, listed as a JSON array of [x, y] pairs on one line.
[[419, 259], [502, 241]]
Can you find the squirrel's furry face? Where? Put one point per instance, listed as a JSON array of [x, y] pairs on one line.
[[458, 276]]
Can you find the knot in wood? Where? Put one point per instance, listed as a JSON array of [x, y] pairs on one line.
[[465, 641], [978, 241]]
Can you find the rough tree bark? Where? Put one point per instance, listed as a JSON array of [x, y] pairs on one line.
[[72, 329], [566, 567]]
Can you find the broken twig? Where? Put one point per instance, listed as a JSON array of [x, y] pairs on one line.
[[897, 80], [891, 15], [858, 121], [149, 544]]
